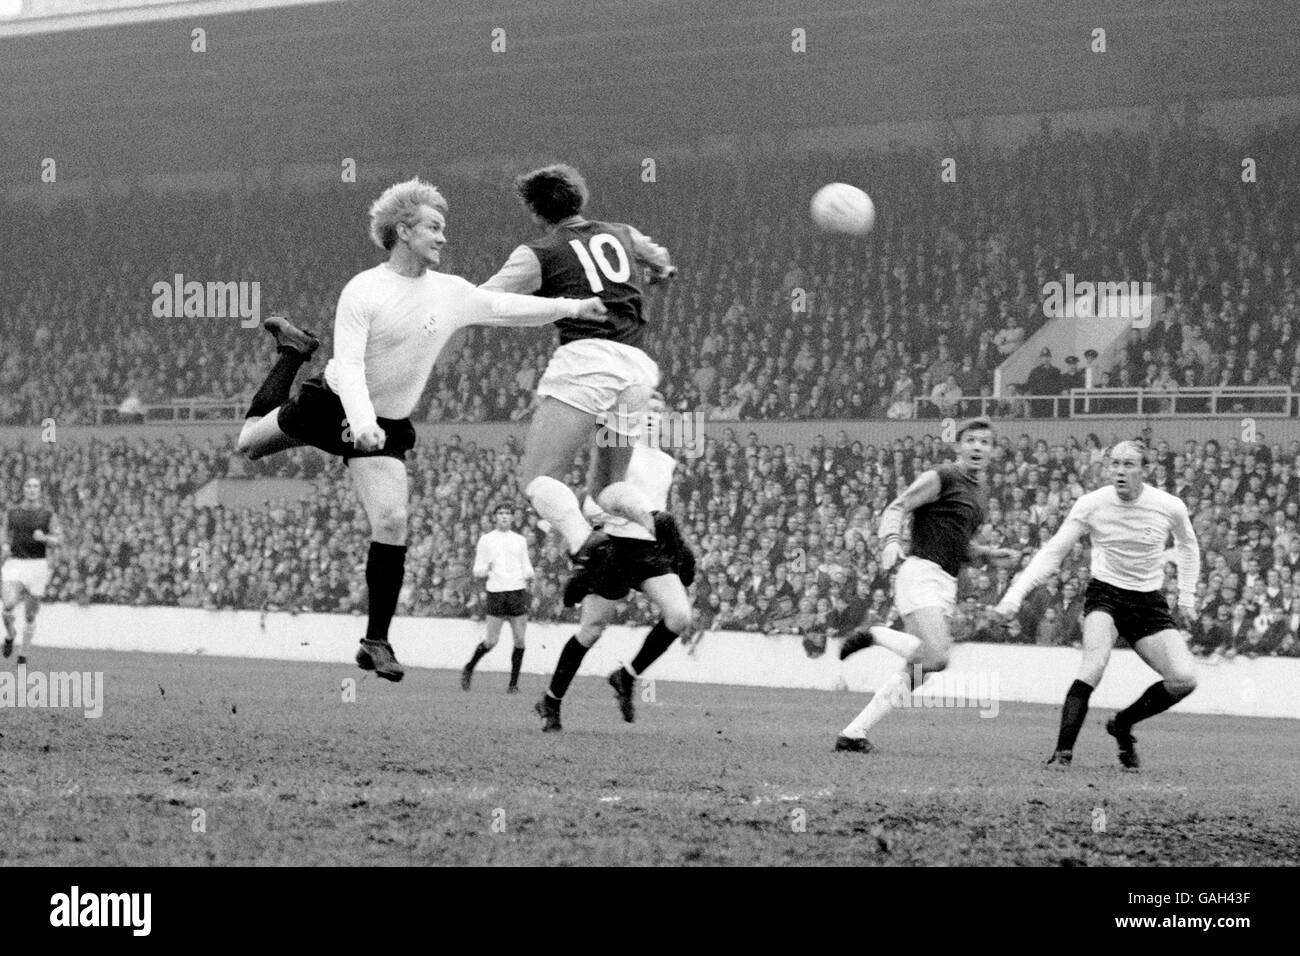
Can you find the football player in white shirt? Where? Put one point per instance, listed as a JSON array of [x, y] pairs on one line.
[[662, 569], [501, 557], [1129, 523], [391, 324]]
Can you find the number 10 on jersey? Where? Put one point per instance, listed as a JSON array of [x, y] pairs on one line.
[[595, 261]]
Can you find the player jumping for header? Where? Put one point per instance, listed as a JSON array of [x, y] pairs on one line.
[[1129, 523], [948, 505], [598, 378], [391, 324]]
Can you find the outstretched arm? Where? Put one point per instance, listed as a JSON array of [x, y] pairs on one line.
[[521, 273], [486, 307], [1045, 562]]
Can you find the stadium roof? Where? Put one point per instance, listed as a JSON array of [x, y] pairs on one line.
[[417, 79]]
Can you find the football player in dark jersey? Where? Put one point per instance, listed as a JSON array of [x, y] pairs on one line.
[[948, 505], [599, 383], [29, 529]]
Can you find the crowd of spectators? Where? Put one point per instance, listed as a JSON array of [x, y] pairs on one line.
[[786, 539], [767, 319]]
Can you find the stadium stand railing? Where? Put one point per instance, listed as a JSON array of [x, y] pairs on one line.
[[1218, 402]]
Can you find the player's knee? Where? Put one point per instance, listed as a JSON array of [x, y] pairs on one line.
[[932, 661], [1180, 685], [390, 524], [678, 620], [489, 641], [589, 634]]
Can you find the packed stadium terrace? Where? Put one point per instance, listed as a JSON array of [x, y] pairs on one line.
[[786, 541], [950, 280]]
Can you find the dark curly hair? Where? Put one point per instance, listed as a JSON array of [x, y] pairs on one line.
[[553, 192]]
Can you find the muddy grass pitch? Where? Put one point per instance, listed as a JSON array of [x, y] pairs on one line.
[[214, 761]]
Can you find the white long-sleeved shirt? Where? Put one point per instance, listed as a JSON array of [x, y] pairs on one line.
[[650, 471], [1128, 544], [522, 271], [390, 328], [502, 557]]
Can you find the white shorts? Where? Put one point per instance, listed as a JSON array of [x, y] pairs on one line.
[[592, 374], [32, 573], [921, 583]]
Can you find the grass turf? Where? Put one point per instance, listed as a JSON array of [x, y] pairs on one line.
[[285, 770]]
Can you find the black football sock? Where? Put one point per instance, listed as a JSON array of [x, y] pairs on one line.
[[1073, 711], [277, 385], [656, 642], [1154, 700], [385, 566], [478, 656], [516, 662], [570, 659]]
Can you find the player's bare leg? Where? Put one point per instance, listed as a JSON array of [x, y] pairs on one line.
[[261, 435], [382, 486], [518, 628], [596, 613], [557, 434], [926, 654], [1166, 653], [489, 641], [669, 595], [1099, 636]]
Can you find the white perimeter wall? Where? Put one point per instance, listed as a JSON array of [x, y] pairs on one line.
[[980, 674]]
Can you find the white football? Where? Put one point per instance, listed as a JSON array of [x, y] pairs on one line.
[[839, 207]]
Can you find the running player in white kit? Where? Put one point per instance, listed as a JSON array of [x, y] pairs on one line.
[[1129, 523], [391, 324], [501, 557], [662, 569]]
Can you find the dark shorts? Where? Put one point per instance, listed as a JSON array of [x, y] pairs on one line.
[[315, 417], [637, 562], [507, 603], [1137, 614]]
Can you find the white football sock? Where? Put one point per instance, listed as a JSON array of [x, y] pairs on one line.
[[891, 693], [555, 503], [900, 642]]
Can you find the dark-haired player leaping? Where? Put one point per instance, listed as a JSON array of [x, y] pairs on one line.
[[1129, 523], [948, 505], [598, 378]]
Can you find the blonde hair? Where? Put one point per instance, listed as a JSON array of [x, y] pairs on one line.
[[400, 203], [1129, 448]]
